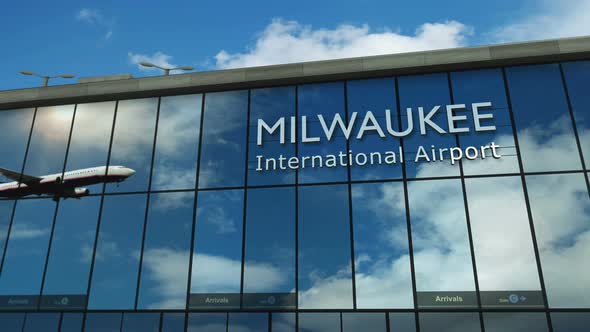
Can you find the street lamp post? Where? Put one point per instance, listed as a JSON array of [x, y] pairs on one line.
[[45, 78], [166, 70]]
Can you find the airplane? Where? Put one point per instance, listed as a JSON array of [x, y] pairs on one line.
[[70, 186]]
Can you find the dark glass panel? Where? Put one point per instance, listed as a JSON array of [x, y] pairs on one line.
[[217, 257], [363, 321], [481, 86], [22, 272], [561, 211], [116, 263], [209, 322], [15, 126], [319, 322], [141, 322], [326, 99], [442, 256], [515, 322], [173, 322], [427, 91], [223, 149], [133, 141], [570, 321], [325, 276], [449, 322], [103, 322], [71, 322], [402, 322], [545, 135], [577, 76], [12, 322], [270, 105], [382, 264], [270, 248], [166, 255], [283, 322], [69, 262], [177, 144], [41, 322], [376, 96], [248, 322]]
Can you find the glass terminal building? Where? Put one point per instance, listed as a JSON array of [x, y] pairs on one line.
[[431, 191]]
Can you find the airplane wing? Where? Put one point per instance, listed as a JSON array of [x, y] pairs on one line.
[[16, 176]]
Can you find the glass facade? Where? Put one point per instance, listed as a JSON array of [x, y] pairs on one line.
[[449, 201]]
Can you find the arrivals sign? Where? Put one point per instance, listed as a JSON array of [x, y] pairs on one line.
[[360, 125]]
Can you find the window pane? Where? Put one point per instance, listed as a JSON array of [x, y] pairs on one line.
[[166, 253], [20, 281], [270, 105], [319, 322], [248, 322], [449, 322], [12, 322], [66, 281], [480, 86], [427, 91], [224, 139], [283, 322], [6, 208], [172, 322], [15, 126], [503, 243], [91, 136], [561, 211], [269, 271], [213, 322], [71, 322], [383, 277], [570, 321], [545, 135], [402, 322], [217, 259], [133, 141], [577, 76], [103, 322], [355, 322], [41, 322], [515, 322], [114, 277], [141, 322], [325, 276], [442, 256], [376, 96], [326, 99], [177, 144]]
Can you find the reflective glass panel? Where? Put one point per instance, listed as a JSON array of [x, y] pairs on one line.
[[12, 322], [6, 208], [515, 322], [15, 126], [363, 321], [577, 76], [133, 141], [402, 322], [325, 276], [269, 270], [71, 322], [66, 279], [374, 96], [545, 135], [319, 322], [166, 254], [173, 322], [382, 265], [223, 150], [271, 105], [247, 322], [41, 322], [449, 322], [283, 322], [22, 273], [570, 321], [209, 322], [327, 100], [561, 213], [116, 262], [442, 256], [141, 322], [177, 144], [503, 243], [103, 322], [481, 86], [427, 91], [217, 257]]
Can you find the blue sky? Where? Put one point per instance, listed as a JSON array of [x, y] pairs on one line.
[[89, 38]]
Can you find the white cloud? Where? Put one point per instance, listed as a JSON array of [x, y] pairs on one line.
[[158, 58], [552, 19], [290, 41], [95, 18]]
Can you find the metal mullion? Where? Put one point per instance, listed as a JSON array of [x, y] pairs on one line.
[[245, 203], [467, 216], [350, 219], [147, 205], [526, 197], [407, 207], [296, 214]]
